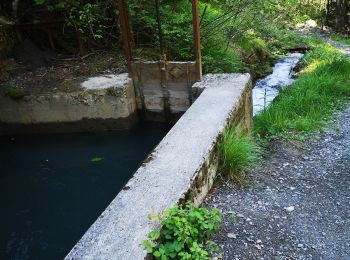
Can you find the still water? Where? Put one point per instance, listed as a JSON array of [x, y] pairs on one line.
[[53, 187]]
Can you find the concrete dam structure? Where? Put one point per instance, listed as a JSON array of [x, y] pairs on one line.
[[182, 167]]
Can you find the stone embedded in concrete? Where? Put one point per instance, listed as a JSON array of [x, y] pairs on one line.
[[106, 81], [183, 166], [102, 98]]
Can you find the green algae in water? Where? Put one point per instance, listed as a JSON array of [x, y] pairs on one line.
[[97, 159]]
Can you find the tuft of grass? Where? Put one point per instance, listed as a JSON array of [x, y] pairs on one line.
[[308, 104], [232, 217], [238, 153], [14, 92]]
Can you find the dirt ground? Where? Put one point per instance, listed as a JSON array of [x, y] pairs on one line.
[[297, 205], [33, 70]]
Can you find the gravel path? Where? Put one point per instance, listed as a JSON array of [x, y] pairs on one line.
[[344, 48], [298, 206]]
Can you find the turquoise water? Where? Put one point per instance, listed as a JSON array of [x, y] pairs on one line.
[[53, 187]]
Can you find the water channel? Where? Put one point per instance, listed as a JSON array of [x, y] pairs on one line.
[[266, 90]]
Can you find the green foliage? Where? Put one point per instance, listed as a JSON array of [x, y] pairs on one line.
[[14, 92], [184, 233], [232, 217], [307, 105], [236, 36], [341, 38], [238, 153], [90, 20]]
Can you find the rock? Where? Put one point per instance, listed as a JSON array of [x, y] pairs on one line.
[[290, 208], [311, 23], [259, 246], [231, 235]]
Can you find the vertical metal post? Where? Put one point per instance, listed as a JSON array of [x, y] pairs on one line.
[[160, 32], [197, 40], [125, 30]]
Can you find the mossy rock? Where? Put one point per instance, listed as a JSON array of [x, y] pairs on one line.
[[14, 92]]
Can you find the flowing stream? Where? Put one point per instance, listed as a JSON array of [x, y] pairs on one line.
[[265, 90]]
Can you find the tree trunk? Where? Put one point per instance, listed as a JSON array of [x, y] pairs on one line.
[[341, 15]]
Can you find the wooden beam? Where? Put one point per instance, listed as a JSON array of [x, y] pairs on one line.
[[126, 34], [197, 40]]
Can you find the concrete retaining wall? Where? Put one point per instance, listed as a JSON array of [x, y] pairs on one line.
[[109, 100], [182, 167], [159, 91], [163, 89]]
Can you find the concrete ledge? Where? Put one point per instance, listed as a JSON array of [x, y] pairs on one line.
[[109, 97], [183, 166]]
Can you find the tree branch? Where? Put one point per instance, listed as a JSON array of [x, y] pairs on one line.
[[5, 21]]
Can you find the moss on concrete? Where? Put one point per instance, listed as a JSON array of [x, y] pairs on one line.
[[14, 92], [68, 85]]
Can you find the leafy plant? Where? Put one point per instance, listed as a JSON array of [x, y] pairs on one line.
[[91, 21], [238, 153], [184, 233]]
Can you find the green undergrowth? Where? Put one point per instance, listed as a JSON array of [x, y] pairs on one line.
[[341, 38], [297, 113], [237, 153], [308, 104], [184, 234]]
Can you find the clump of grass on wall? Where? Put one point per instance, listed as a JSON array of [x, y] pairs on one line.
[[238, 153], [307, 105]]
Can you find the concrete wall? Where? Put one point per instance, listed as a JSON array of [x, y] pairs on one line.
[[104, 99], [182, 167], [159, 91], [163, 89]]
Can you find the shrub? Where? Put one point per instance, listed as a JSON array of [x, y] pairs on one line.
[[184, 232]]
